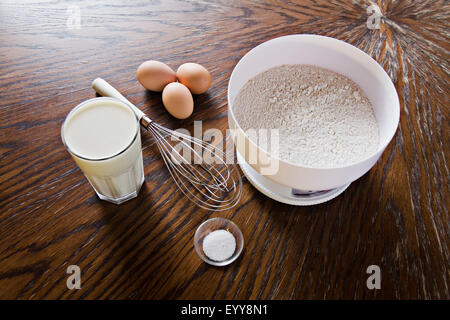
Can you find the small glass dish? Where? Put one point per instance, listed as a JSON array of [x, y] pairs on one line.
[[218, 224]]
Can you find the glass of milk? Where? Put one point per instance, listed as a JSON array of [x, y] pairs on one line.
[[103, 137]]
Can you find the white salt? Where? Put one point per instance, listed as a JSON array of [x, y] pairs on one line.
[[324, 119], [219, 245]]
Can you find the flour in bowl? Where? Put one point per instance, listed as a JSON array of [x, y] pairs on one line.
[[324, 119]]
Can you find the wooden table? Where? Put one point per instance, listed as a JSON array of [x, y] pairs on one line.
[[395, 216]]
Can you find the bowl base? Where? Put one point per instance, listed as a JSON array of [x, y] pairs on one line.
[[285, 194]]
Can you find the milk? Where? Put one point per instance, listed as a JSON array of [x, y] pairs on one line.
[[103, 137]]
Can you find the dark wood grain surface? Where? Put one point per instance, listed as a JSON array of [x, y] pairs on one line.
[[395, 216]]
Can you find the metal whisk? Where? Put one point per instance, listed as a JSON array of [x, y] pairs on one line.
[[206, 179]]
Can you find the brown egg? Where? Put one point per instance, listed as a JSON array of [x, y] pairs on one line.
[[195, 77], [155, 75], [178, 100]]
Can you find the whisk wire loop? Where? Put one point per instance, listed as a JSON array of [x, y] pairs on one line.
[[216, 186]]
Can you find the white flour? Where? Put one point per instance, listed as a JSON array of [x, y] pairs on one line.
[[325, 119]]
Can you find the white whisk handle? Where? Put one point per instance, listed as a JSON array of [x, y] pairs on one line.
[[105, 89]]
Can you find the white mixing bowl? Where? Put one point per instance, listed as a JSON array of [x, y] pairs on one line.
[[327, 53]]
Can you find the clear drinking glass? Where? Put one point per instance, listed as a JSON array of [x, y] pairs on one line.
[[115, 177]]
